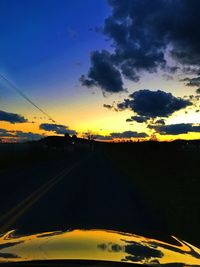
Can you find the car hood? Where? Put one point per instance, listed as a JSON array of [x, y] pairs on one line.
[[96, 245]]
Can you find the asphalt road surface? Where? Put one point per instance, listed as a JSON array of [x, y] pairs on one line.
[[87, 192]]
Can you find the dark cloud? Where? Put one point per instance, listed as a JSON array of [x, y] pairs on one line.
[[27, 135], [19, 135], [191, 70], [198, 91], [143, 29], [129, 72], [111, 107], [122, 135], [103, 137], [175, 129], [129, 134], [103, 73], [192, 81], [160, 121], [107, 106], [134, 50], [5, 133], [11, 117], [56, 128], [87, 82], [141, 32], [139, 119], [153, 104]]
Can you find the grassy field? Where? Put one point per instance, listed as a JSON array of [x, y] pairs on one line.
[[170, 180], [24, 155]]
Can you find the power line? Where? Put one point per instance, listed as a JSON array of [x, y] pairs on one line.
[[26, 98]]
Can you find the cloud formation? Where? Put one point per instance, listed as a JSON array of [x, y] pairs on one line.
[[5, 133], [107, 106], [198, 91], [20, 135], [192, 81], [121, 135], [175, 129], [142, 30], [56, 128], [28, 135], [141, 34], [160, 121], [11, 117], [103, 137], [139, 119], [152, 104], [129, 134], [111, 107], [103, 73]]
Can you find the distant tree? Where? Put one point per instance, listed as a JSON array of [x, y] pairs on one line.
[[67, 136], [153, 137], [74, 136], [89, 135]]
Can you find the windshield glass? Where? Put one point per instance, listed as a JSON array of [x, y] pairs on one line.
[[100, 121]]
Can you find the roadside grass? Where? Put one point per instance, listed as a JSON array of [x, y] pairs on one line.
[[33, 157], [170, 181]]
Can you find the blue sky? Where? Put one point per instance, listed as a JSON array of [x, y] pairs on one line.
[[45, 47], [41, 38]]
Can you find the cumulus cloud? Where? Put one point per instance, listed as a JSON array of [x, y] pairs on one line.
[[153, 104], [175, 129], [129, 134], [103, 73], [11, 117], [144, 35], [149, 26], [139, 119], [56, 128]]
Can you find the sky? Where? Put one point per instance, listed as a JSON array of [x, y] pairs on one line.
[[115, 69]]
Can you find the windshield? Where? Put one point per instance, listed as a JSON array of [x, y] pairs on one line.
[[100, 122]]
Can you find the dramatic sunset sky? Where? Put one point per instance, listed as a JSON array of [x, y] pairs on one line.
[[117, 69]]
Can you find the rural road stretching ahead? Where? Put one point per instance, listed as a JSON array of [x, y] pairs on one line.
[[87, 192]]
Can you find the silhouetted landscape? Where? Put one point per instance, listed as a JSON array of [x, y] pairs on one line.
[[163, 176]]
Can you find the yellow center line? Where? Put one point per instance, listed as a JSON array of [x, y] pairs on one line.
[[11, 216], [9, 213]]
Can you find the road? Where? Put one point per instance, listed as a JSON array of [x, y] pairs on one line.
[[87, 192]]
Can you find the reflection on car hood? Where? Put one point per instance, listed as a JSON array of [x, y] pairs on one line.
[[101, 245]]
